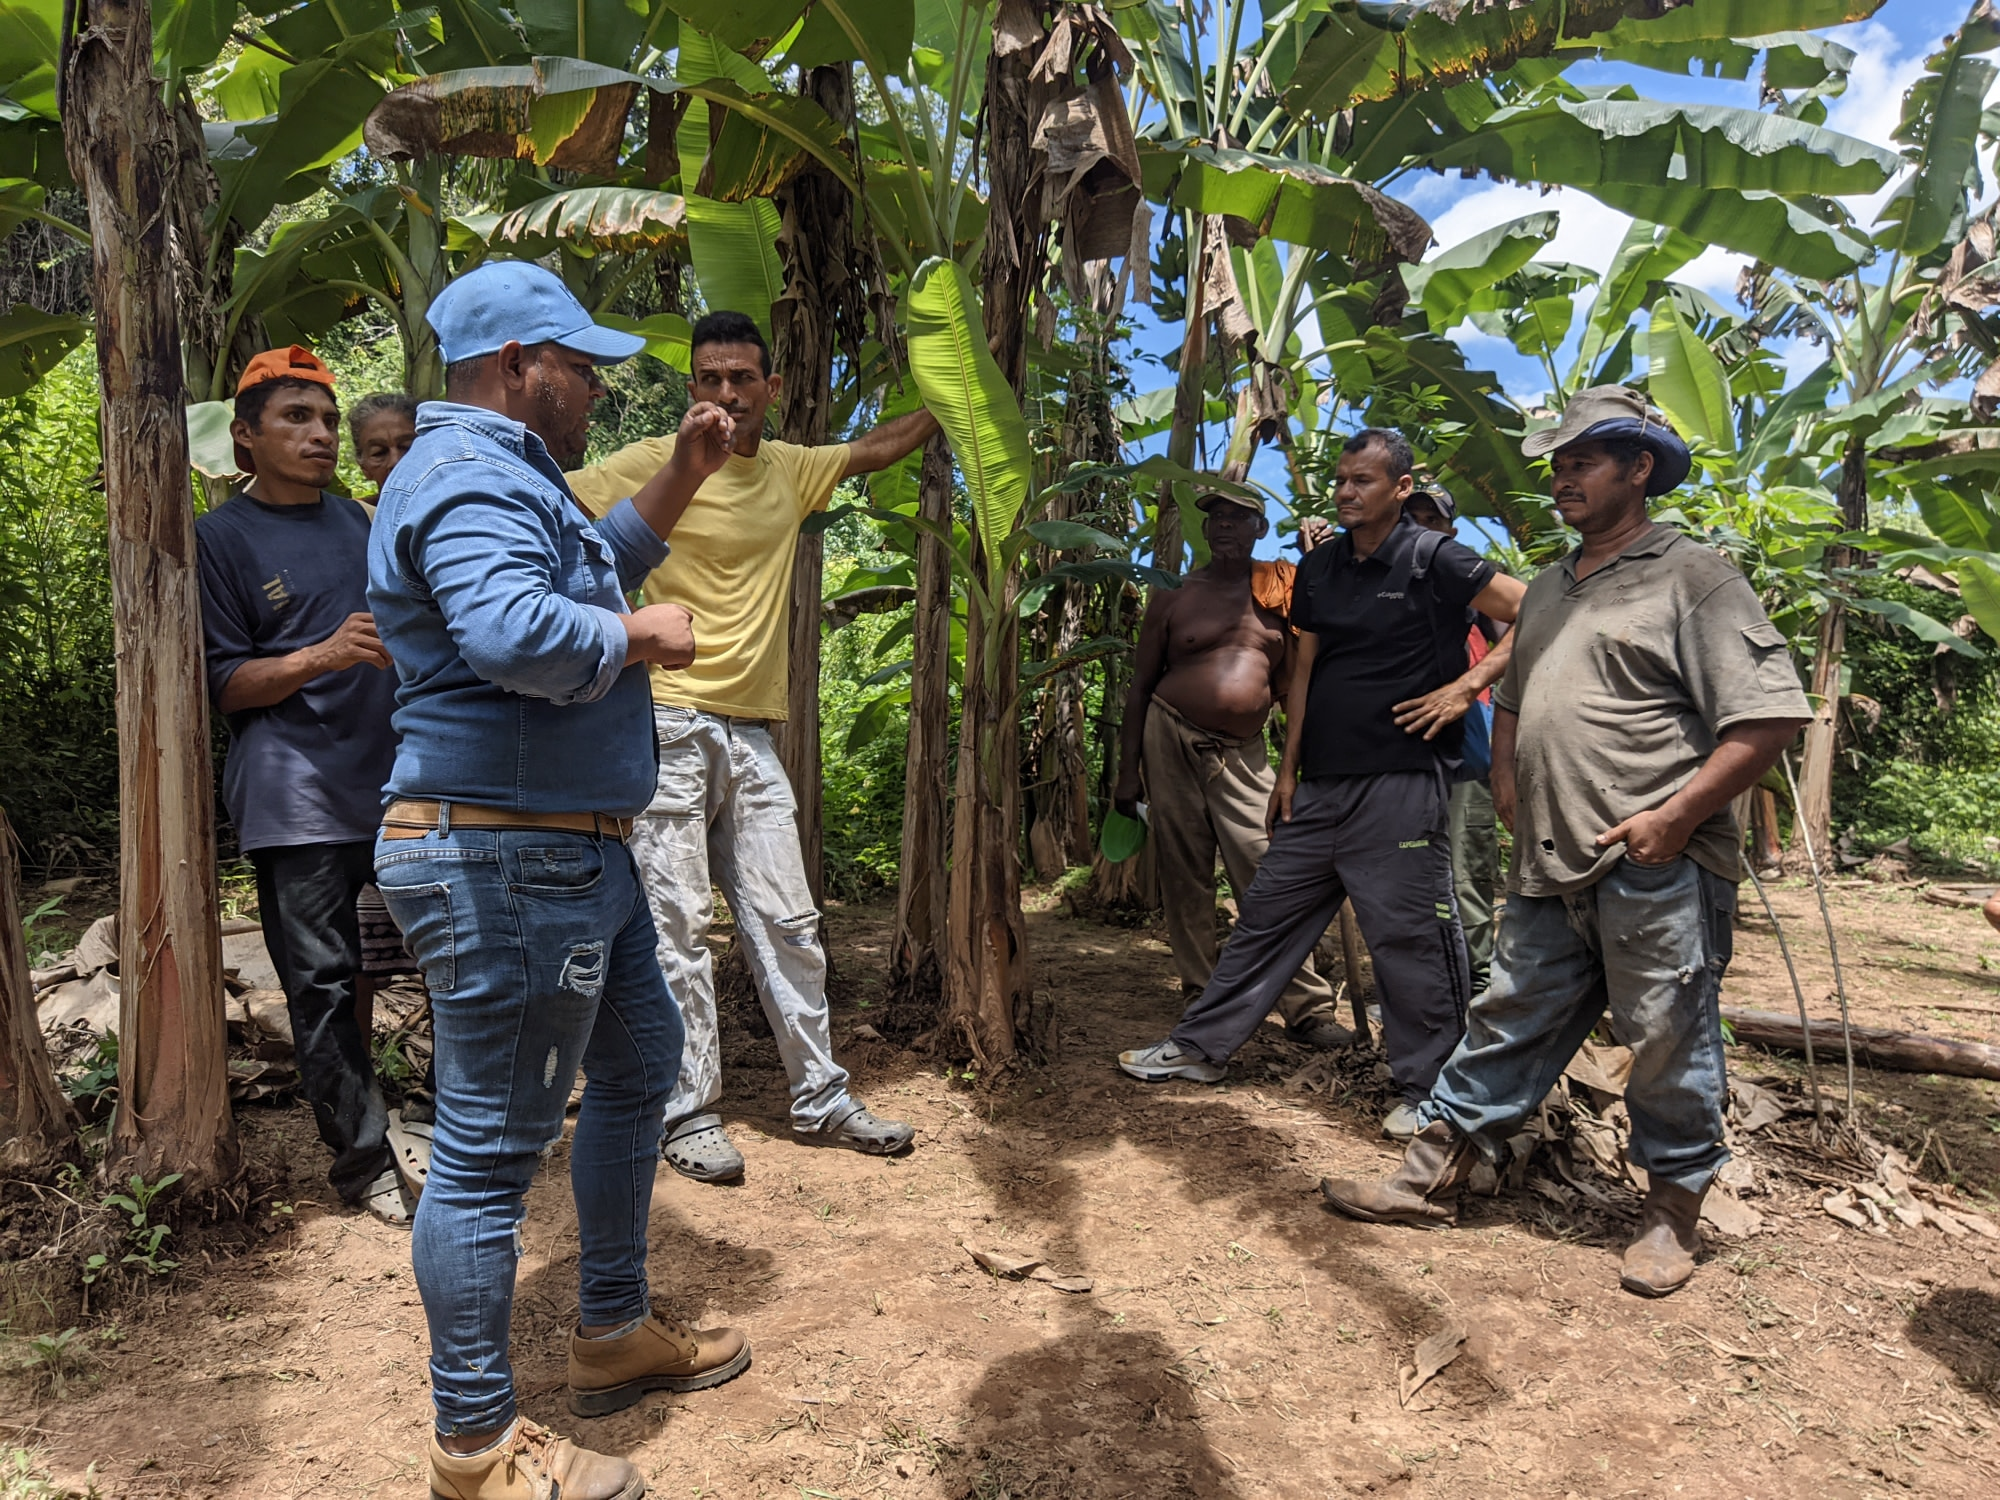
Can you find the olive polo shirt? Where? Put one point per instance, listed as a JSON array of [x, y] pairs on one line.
[[1623, 682]]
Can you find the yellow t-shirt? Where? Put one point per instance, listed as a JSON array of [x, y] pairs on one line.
[[730, 564]]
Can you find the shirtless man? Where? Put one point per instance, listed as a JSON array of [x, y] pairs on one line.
[[1213, 658]]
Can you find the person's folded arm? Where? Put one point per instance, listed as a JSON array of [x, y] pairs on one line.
[[489, 561]]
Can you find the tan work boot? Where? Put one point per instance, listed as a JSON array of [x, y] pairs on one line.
[[607, 1375], [1661, 1259], [532, 1464], [1422, 1191]]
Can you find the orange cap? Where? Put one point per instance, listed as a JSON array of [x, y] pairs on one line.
[[295, 363]]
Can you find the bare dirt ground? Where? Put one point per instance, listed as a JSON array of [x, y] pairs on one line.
[[1238, 1341]]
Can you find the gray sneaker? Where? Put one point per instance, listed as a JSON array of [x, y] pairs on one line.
[[1400, 1124], [1163, 1062]]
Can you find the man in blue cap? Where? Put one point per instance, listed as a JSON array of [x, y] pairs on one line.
[[526, 750], [1647, 689]]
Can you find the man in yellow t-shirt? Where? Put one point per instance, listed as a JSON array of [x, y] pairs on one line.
[[723, 809]]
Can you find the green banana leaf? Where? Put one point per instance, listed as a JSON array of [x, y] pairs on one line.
[[32, 343], [1919, 624], [1941, 126], [29, 53], [1445, 284], [1293, 201], [970, 398], [1687, 381], [667, 336], [1352, 60], [1979, 585], [211, 450], [876, 33], [1958, 519], [744, 25], [1563, 137], [23, 201], [734, 247], [1814, 241], [476, 35], [599, 31], [1649, 253], [321, 110], [188, 35]]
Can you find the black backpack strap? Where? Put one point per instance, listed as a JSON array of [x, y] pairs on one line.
[[1446, 644]]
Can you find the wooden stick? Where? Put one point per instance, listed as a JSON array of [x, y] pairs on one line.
[[1350, 953], [1798, 991], [1904, 1051], [1832, 943]]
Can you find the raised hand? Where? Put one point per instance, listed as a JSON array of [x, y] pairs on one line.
[[707, 436]]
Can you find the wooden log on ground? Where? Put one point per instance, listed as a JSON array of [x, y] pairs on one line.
[[1904, 1051]]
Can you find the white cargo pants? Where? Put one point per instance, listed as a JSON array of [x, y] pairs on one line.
[[723, 812]]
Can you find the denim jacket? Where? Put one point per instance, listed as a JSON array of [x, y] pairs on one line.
[[499, 600]]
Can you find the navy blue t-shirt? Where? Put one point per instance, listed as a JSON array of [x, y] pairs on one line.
[[274, 579], [1383, 638]]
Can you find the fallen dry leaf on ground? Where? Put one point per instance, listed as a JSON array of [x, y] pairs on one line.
[[1433, 1354]]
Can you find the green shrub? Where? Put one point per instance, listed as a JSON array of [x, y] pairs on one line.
[[58, 708]]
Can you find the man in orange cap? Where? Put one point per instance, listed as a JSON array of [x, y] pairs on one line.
[[297, 669]]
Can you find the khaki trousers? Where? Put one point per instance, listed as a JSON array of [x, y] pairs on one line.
[[1207, 794]]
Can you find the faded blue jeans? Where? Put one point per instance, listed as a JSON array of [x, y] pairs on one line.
[[537, 949], [1651, 942]]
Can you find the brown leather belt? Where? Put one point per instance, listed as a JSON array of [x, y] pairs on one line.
[[408, 818]]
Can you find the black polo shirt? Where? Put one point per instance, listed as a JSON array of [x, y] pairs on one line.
[[1384, 636]]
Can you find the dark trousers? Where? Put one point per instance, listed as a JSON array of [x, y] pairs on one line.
[[1383, 842], [305, 897]]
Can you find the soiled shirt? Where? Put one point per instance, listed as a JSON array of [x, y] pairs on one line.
[[275, 579], [731, 565], [1382, 636], [1624, 681]]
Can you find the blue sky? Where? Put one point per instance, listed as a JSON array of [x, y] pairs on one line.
[[1890, 48]]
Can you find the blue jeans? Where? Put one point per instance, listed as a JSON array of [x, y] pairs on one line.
[[537, 948], [1652, 943]]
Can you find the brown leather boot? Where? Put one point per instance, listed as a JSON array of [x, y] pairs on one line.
[[532, 1464], [1661, 1259], [1422, 1191], [607, 1375]]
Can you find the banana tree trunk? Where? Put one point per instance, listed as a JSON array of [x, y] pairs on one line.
[[1190, 396], [916, 964], [173, 1100], [1815, 823], [37, 1124], [823, 309], [1059, 835], [989, 992]]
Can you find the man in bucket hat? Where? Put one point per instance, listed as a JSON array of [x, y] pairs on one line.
[[1647, 689], [526, 752]]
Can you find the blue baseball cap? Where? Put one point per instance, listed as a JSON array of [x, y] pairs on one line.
[[506, 301]]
